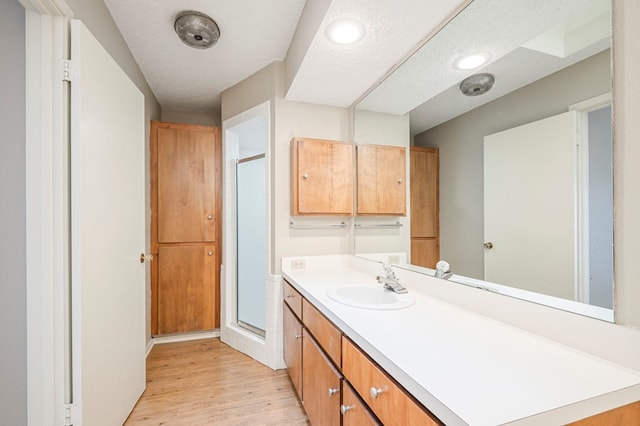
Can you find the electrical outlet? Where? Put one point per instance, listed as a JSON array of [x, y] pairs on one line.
[[393, 259], [297, 264]]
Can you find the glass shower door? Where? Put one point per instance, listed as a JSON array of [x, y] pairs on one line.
[[251, 242]]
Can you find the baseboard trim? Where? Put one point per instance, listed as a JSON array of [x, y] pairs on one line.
[[184, 337]]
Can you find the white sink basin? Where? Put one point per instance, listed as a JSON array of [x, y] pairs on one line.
[[369, 297]]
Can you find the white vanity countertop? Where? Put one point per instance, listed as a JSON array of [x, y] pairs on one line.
[[464, 367]]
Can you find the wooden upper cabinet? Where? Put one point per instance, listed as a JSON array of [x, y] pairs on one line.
[[321, 177], [381, 180], [186, 184]]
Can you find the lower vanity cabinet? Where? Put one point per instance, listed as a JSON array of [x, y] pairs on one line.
[[354, 411], [321, 384], [390, 403], [292, 342]]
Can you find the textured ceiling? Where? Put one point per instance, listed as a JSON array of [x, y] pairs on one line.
[[337, 75], [426, 84], [254, 33]]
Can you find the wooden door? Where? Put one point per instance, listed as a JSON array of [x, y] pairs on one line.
[[321, 177], [186, 300], [530, 206], [320, 384], [185, 227], [292, 340], [425, 224], [381, 180], [186, 185], [107, 236]]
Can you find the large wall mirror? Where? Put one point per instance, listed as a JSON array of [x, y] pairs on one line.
[[525, 156]]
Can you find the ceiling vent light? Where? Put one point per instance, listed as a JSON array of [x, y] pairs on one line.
[[197, 30], [471, 62], [345, 31], [477, 84]]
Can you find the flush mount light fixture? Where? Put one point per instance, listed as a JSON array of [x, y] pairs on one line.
[[345, 31], [197, 30], [477, 84], [472, 61]]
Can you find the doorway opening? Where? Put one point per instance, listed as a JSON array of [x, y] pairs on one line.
[[249, 310]]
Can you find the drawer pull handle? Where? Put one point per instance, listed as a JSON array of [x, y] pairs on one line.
[[297, 336], [375, 392], [333, 391], [345, 408], [289, 296]]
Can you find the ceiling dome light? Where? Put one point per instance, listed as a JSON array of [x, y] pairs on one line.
[[345, 31], [477, 84], [472, 61], [197, 30]]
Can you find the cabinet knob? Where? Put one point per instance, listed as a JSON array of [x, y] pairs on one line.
[[210, 253], [399, 180], [297, 336], [305, 176], [375, 392], [333, 391], [209, 217], [345, 408], [289, 296]]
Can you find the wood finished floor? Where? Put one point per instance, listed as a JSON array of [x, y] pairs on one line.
[[205, 382]]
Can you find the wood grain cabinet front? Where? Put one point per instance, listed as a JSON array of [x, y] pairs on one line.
[[292, 342], [354, 411], [293, 299], [321, 177], [381, 180], [327, 335], [321, 384], [390, 403]]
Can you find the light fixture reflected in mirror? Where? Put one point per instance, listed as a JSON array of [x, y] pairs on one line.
[[471, 62]]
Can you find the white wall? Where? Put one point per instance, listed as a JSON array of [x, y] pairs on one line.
[[13, 272], [190, 117], [626, 157]]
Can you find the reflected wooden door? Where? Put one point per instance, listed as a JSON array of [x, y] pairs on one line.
[[425, 210]]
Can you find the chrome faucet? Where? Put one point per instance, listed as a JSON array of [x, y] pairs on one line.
[[390, 280], [442, 270]]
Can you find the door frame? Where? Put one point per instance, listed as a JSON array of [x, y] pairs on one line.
[[47, 205], [582, 190]]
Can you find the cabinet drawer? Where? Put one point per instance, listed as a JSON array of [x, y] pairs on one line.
[[327, 335], [293, 299], [386, 399], [354, 411]]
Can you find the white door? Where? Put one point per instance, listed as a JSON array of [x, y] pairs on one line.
[[530, 206], [107, 235]]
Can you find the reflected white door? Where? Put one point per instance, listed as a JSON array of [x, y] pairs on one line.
[[107, 235], [530, 206]]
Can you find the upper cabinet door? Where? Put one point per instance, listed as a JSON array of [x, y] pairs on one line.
[[322, 177], [381, 180], [186, 185]]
